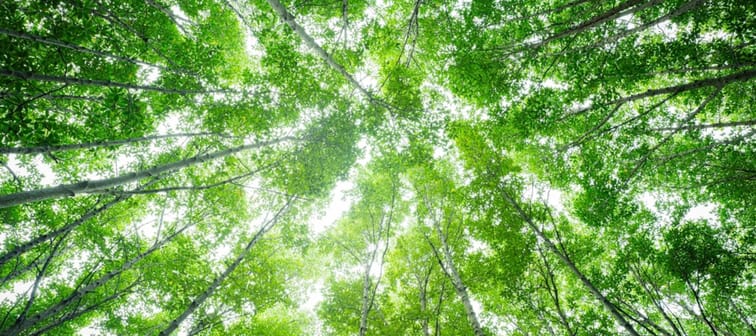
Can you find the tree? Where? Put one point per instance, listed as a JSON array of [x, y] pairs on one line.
[[515, 167]]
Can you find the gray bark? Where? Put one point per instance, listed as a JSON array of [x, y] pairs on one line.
[[288, 18], [102, 83], [575, 271], [96, 144], [459, 285], [615, 12], [73, 189], [202, 297], [742, 76], [366, 290], [24, 324]]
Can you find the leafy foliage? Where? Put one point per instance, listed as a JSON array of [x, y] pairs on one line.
[[511, 167]]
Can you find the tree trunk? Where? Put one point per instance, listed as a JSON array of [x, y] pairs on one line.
[[35, 287], [424, 300], [459, 285], [102, 83], [567, 262], [668, 137], [287, 18], [22, 325], [643, 281], [366, 289], [202, 297], [688, 6], [18, 250], [78, 312], [599, 19], [742, 76], [72, 189], [742, 316], [96, 144]]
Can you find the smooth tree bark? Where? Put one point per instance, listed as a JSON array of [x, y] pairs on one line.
[[20, 249], [366, 298], [625, 8], [79, 311], [202, 297], [571, 266], [89, 186], [446, 261], [104, 143], [29, 76], [742, 76], [459, 285], [288, 18]]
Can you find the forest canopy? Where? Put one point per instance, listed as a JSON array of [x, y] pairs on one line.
[[360, 167]]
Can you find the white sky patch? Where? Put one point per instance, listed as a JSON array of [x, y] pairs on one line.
[[626, 20], [552, 84], [705, 211], [541, 191], [314, 296], [366, 150], [338, 204], [179, 13], [48, 177], [252, 46], [367, 75], [496, 323], [477, 246], [379, 265], [724, 134], [712, 36], [453, 106], [476, 305], [669, 30], [653, 200], [147, 75], [18, 288], [459, 6], [91, 330]]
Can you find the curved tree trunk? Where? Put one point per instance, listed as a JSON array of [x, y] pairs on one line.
[[202, 297], [73, 189], [286, 17], [575, 271], [18, 250], [105, 143], [23, 324]]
